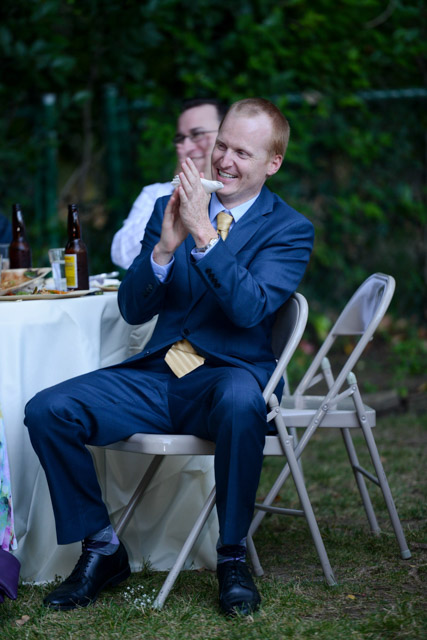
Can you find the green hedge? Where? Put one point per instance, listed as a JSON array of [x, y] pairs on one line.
[[343, 72]]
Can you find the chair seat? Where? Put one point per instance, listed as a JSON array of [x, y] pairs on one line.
[[298, 410], [181, 445]]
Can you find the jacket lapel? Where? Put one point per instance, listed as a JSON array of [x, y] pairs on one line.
[[238, 237], [251, 222]]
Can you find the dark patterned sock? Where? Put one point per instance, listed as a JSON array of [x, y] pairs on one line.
[[228, 552], [104, 542]]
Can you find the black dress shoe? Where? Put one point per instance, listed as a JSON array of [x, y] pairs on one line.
[[237, 591], [92, 573]]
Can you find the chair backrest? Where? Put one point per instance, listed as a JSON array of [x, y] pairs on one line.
[[360, 317], [370, 300], [288, 328]]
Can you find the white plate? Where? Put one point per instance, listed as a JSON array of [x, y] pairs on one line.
[[109, 287], [50, 296], [9, 275]]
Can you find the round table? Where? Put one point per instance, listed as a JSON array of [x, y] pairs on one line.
[[44, 342]]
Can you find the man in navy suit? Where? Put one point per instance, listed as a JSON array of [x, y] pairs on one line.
[[216, 301]]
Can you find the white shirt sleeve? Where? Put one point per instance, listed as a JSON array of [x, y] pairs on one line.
[[126, 243], [162, 271]]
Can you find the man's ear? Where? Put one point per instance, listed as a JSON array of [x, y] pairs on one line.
[[274, 164]]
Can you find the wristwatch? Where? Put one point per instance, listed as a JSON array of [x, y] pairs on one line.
[[210, 244]]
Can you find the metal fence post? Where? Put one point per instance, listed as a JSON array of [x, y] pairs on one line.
[[113, 159], [46, 188], [51, 169]]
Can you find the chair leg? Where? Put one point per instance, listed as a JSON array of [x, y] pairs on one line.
[[388, 498], [185, 551], [259, 516], [294, 433], [294, 469], [305, 502], [138, 493], [381, 476], [282, 477], [269, 499], [360, 481], [253, 556]]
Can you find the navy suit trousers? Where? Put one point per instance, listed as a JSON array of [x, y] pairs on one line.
[[222, 404]]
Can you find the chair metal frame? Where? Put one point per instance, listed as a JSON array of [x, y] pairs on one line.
[[289, 327], [340, 408]]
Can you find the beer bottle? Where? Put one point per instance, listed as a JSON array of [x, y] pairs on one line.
[[19, 249], [76, 264]]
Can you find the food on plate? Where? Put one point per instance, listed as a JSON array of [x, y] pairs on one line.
[[12, 278], [35, 292]]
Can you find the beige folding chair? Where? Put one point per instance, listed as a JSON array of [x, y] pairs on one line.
[[289, 327], [341, 406]]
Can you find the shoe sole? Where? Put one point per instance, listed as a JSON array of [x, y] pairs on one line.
[[112, 582]]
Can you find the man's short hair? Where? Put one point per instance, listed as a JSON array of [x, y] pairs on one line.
[[221, 107], [280, 125]]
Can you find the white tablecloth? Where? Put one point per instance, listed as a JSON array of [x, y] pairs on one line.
[[43, 342]]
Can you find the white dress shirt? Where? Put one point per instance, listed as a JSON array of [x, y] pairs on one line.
[[126, 243]]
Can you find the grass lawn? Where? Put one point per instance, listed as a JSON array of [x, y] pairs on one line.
[[379, 595]]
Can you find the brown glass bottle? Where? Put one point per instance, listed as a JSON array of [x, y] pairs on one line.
[[76, 263], [19, 249]]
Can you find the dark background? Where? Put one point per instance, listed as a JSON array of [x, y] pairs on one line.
[[90, 92]]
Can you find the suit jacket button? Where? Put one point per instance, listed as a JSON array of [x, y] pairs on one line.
[[186, 332], [208, 270]]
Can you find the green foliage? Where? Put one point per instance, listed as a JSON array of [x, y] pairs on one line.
[[409, 358], [356, 161]]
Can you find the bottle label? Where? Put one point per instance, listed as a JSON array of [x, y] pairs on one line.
[[71, 270]]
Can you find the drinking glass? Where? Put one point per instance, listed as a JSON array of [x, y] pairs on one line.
[[4, 252], [57, 262]]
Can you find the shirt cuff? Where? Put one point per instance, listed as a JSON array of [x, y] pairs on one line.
[[162, 271]]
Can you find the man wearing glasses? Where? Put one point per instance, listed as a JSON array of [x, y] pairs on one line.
[[197, 128]]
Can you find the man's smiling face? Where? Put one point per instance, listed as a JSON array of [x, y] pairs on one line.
[[242, 158]]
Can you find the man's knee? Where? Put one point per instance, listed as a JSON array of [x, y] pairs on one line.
[[33, 410], [40, 410], [239, 409], [241, 394]]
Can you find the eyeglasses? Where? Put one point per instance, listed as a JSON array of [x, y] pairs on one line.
[[195, 136]]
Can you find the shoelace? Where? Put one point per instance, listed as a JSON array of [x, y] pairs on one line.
[[237, 573], [81, 565]]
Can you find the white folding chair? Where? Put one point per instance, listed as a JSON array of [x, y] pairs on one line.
[[341, 406], [289, 327]]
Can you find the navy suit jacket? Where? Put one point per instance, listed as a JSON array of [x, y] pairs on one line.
[[225, 304]]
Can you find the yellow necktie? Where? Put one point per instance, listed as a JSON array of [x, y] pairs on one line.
[[223, 221], [182, 357]]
